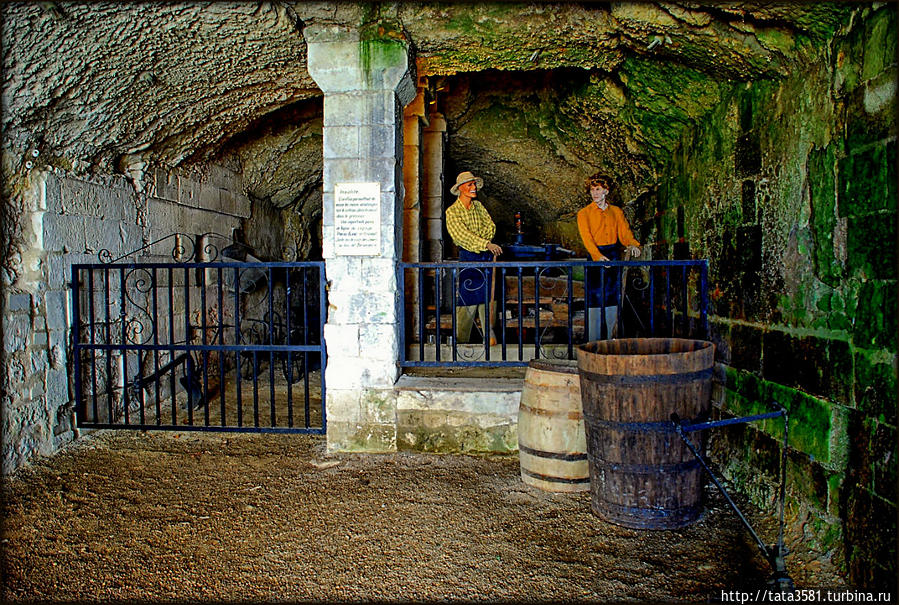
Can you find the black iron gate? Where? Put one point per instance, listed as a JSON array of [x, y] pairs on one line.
[[212, 346]]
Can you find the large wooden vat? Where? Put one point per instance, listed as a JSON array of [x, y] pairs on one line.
[[642, 474], [552, 445]]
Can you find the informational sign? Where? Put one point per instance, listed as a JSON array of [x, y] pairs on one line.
[[357, 219]]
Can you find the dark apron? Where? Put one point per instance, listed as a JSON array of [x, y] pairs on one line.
[[472, 288], [602, 291]]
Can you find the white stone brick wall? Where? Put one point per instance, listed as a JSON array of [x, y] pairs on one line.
[[69, 220]]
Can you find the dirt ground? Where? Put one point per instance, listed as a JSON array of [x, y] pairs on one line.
[[169, 516]]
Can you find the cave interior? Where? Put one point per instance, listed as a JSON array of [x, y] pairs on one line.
[[760, 136]]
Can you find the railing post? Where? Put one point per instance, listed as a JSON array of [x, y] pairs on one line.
[[704, 296], [80, 404], [401, 311]]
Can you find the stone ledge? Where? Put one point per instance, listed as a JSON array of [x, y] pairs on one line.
[[455, 414], [460, 384]]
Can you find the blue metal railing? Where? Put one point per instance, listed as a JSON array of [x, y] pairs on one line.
[[540, 310], [226, 346]]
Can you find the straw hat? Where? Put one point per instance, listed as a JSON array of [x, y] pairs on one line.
[[463, 178]]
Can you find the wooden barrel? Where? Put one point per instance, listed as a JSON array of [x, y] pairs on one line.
[[552, 445], [642, 475]]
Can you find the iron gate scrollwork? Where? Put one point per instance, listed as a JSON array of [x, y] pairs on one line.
[[222, 345]]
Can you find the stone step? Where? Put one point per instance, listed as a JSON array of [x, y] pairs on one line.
[[459, 384], [458, 414]]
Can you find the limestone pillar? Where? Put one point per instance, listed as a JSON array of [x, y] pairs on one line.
[[366, 84]]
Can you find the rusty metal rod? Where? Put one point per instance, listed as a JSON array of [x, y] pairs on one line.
[[675, 419], [775, 553]]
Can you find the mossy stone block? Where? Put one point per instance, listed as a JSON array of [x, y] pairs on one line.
[[880, 43], [872, 246], [863, 182], [869, 112], [807, 479], [837, 318], [747, 386], [848, 61], [875, 316], [809, 421], [821, 164], [739, 406], [876, 385]]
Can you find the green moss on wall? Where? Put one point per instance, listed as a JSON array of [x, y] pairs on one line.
[[871, 246], [482, 19], [821, 163], [880, 43], [808, 163], [510, 119], [378, 53], [748, 387], [876, 385], [776, 39], [810, 427], [676, 90], [875, 317], [810, 421], [665, 99], [864, 182]]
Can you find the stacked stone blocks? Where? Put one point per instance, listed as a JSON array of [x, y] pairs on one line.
[[366, 83], [72, 220]]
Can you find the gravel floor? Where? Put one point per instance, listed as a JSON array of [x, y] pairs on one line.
[[236, 517]]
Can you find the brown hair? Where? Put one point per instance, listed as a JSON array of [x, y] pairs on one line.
[[599, 179]]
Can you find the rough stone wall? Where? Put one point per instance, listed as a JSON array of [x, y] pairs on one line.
[[94, 95], [536, 137], [281, 162], [789, 188], [90, 82], [71, 219]]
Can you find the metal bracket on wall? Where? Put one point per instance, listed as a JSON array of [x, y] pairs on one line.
[[773, 553]]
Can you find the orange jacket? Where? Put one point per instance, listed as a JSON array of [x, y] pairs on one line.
[[603, 227]]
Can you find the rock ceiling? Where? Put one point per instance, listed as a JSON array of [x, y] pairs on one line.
[[101, 86]]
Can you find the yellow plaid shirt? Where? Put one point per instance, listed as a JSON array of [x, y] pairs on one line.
[[470, 228]]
